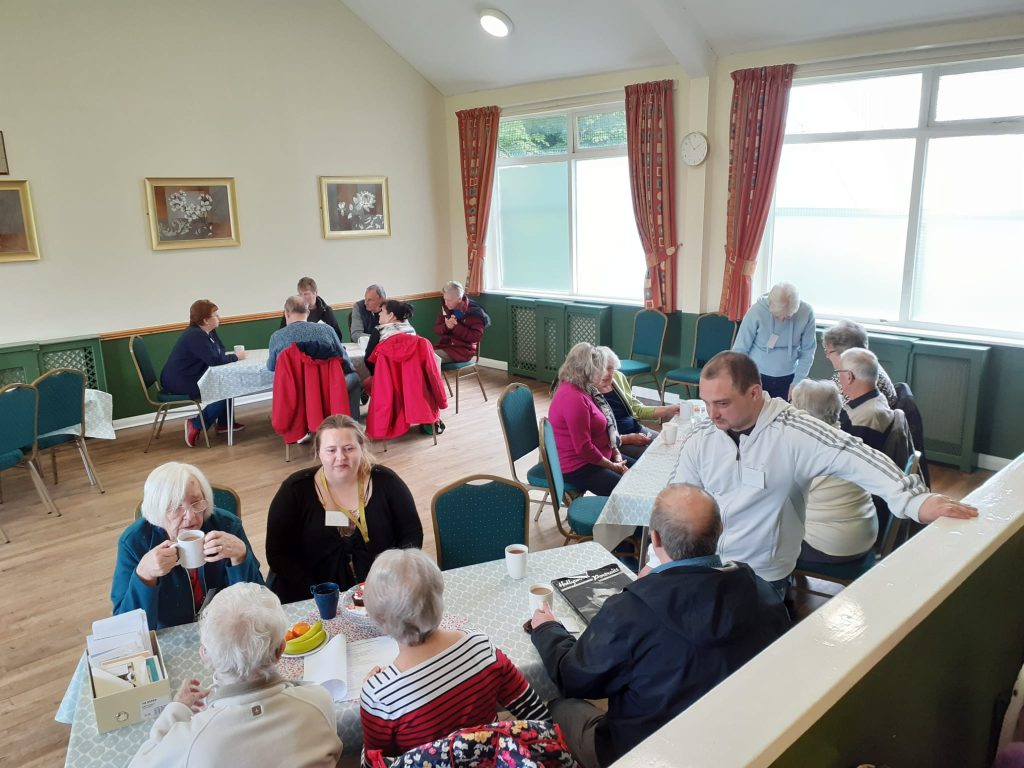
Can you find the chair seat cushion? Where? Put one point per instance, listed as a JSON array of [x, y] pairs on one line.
[[633, 367], [846, 571], [456, 366], [536, 476], [583, 513], [52, 440], [11, 458], [167, 397], [688, 375]]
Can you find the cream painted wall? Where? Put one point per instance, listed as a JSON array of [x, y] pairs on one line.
[[97, 96]]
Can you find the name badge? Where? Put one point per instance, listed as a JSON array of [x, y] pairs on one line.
[[753, 477], [773, 340], [336, 519]]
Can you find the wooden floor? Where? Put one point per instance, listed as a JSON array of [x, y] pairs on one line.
[[55, 574]]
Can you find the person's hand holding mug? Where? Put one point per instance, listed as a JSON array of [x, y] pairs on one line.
[[636, 438], [450, 322], [542, 616], [221, 544], [159, 561], [192, 695], [241, 355]]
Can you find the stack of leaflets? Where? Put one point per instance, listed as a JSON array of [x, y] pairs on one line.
[[121, 653], [587, 592]]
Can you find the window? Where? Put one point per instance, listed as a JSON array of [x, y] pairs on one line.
[[900, 197], [562, 213]]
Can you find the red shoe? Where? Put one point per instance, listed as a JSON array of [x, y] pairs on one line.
[[222, 429], [191, 433]]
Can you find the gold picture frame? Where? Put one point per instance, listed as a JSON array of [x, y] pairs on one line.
[[354, 206], [191, 213], [18, 241]]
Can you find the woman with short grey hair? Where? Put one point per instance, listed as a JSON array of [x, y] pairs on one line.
[[842, 523], [252, 717], [845, 335], [442, 679], [586, 434]]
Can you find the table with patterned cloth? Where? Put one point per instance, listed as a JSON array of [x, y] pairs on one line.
[[99, 417], [480, 597]]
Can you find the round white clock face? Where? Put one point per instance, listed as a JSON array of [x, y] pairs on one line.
[[694, 148]]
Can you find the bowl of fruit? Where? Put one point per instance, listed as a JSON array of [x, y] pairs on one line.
[[304, 639]]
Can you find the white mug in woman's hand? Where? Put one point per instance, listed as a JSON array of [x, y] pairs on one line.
[[190, 548]]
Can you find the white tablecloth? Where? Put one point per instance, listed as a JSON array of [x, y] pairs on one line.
[[99, 417], [484, 594]]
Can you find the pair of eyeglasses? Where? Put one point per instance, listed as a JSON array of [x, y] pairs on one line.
[[197, 508]]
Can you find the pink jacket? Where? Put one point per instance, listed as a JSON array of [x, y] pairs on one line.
[[581, 430]]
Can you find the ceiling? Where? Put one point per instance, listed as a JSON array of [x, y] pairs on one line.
[[554, 39]]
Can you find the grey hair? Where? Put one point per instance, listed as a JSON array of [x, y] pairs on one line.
[[845, 335], [610, 358], [583, 366], [783, 299], [820, 399], [241, 632], [166, 488], [454, 286], [677, 517], [378, 289], [296, 305], [861, 363], [404, 595]]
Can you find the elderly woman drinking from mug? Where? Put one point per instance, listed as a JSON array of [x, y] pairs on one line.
[[252, 717], [442, 679], [176, 498]]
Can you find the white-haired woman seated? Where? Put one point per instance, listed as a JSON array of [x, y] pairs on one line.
[[177, 497], [253, 717], [841, 519], [442, 680]]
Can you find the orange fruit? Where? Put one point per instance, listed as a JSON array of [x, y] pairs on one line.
[[300, 629], [289, 635]]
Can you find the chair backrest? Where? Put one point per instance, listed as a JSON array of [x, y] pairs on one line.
[[518, 417], [19, 405], [913, 463], [648, 334], [552, 464], [61, 399], [476, 517], [715, 333], [905, 402], [143, 363], [223, 498]]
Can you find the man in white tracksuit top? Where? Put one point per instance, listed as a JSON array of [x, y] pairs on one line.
[[757, 457]]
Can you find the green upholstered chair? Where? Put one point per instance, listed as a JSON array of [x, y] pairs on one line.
[[463, 370], [164, 401], [62, 405], [18, 413], [582, 512], [715, 333], [224, 498], [644, 359], [476, 517]]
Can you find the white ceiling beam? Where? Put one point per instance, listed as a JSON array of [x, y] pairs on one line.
[[679, 31]]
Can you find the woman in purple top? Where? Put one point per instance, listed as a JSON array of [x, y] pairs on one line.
[[584, 427]]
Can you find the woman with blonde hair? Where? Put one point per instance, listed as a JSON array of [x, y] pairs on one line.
[[330, 521]]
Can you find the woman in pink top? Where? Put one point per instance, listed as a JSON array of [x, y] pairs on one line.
[[585, 433]]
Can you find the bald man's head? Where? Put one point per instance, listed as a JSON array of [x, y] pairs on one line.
[[687, 521]]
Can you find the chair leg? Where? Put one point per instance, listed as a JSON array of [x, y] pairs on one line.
[[162, 417], [53, 464], [457, 377], [202, 423], [37, 481], [481, 383], [447, 383], [90, 469], [540, 506], [287, 451], [7, 539], [153, 430]]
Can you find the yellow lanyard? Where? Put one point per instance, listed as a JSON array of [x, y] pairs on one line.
[[359, 520]]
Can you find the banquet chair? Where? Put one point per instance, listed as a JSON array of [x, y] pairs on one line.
[[463, 370], [164, 400], [19, 405], [224, 498], [649, 326], [62, 405], [714, 333], [582, 512], [476, 517], [905, 402]]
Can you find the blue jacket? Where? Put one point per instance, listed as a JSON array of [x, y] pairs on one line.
[[169, 602], [195, 351], [793, 352]]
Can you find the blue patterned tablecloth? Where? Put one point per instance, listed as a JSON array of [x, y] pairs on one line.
[[484, 594]]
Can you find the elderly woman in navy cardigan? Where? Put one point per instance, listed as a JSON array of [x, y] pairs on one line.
[[177, 497]]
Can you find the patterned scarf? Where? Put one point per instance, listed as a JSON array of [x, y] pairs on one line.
[[613, 431]]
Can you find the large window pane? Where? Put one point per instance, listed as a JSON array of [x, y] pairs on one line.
[[532, 220], [970, 265], [840, 224], [609, 257], [533, 136], [973, 95], [606, 129], [855, 105]]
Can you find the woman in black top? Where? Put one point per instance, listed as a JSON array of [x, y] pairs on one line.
[[329, 522]]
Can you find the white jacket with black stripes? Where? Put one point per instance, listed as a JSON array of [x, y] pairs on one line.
[[762, 485]]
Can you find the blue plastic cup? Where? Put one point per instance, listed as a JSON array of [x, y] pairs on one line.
[[326, 596]]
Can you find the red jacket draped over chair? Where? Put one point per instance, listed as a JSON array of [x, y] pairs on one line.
[[407, 386], [306, 391]]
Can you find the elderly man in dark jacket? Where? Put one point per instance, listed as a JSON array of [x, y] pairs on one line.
[[665, 641], [459, 326]]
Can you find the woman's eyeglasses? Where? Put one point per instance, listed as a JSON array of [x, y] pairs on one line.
[[197, 508]]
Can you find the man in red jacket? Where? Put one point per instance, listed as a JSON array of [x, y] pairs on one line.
[[460, 325]]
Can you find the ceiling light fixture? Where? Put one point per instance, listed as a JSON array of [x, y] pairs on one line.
[[495, 22]]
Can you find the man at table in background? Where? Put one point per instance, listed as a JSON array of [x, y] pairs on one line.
[[757, 456], [665, 641], [364, 313], [316, 340], [319, 310]]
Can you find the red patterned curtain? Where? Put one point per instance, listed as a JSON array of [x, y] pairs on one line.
[[478, 145], [650, 142], [760, 98]]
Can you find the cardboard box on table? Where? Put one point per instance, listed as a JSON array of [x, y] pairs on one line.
[[132, 705]]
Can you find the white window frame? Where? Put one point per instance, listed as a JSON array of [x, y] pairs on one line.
[[927, 128]]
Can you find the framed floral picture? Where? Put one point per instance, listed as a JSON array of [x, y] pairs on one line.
[[191, 213], [354, 206], [17, 223]]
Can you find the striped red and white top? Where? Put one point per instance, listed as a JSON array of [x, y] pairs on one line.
[[463, 686]]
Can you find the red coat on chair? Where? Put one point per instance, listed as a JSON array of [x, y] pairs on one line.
[[407, 387], [306, 391]]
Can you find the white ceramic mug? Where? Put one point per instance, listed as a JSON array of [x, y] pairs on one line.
[[515, 560], [239, 348], [190, 548], [685, 412], [669, 431], [540, 595], [363, 342]]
